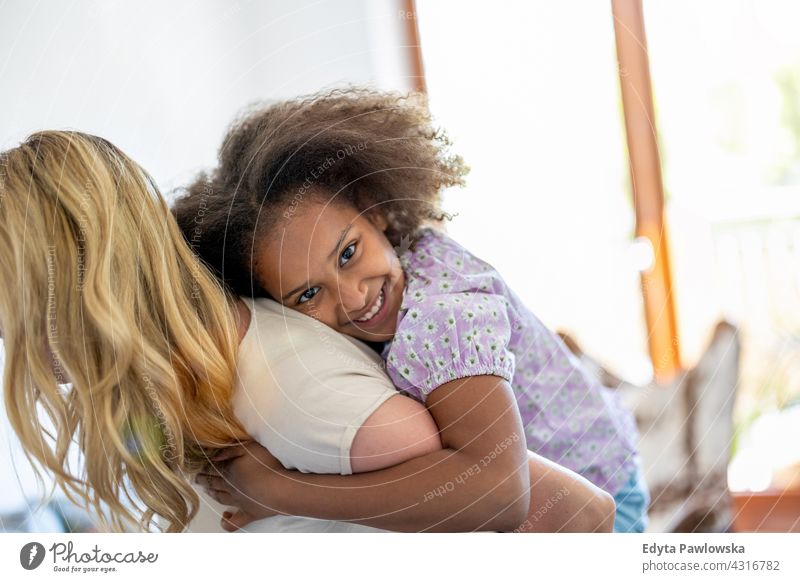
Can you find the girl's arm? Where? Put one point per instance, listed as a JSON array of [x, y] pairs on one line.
[[563, 501], [478, 481], [400, 429], [560, 500]]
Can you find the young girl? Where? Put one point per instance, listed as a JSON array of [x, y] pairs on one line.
[[316, 198]]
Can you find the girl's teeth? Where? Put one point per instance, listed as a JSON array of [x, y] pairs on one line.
[[375, 308]]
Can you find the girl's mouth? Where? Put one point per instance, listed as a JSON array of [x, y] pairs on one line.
[[377, 314]]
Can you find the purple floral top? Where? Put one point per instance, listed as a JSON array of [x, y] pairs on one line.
[[458, 318]]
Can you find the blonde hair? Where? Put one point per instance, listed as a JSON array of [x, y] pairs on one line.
[[101, 290]]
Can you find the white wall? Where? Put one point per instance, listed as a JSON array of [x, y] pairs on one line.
[[162, 80]]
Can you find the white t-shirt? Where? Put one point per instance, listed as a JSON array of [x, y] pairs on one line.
[[303, 392]]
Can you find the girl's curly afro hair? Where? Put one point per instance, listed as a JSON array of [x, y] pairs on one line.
[[373, 150]]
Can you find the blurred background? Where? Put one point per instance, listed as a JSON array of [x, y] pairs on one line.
[[635, 178]]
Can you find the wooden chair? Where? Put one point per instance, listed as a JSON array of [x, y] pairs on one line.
[[686, 430]]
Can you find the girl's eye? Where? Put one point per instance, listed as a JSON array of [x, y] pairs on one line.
[[308, 295], [347, 254]]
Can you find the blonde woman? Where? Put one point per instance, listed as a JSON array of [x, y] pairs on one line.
[[99, 290], [126, 342]]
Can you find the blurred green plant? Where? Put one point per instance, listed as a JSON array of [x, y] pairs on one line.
[[787, 169]]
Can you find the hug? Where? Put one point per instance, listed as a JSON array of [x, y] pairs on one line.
[[297, 335]]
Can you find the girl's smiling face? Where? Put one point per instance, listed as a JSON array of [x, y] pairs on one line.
[[334, 263]]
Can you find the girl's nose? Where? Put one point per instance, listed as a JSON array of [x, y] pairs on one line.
[[353, 296]]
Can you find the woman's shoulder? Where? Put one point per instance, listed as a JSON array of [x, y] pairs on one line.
[[264, 308], [280, 323], [281, 333], [303, 390]]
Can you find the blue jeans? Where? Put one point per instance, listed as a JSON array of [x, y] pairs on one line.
[[632, 501]]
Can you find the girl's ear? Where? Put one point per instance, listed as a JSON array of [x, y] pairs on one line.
[[377, 218]]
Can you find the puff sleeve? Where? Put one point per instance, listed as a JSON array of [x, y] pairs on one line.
[[444, 337]]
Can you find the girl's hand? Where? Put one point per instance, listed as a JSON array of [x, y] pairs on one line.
[[239, 476], [231, 522]]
